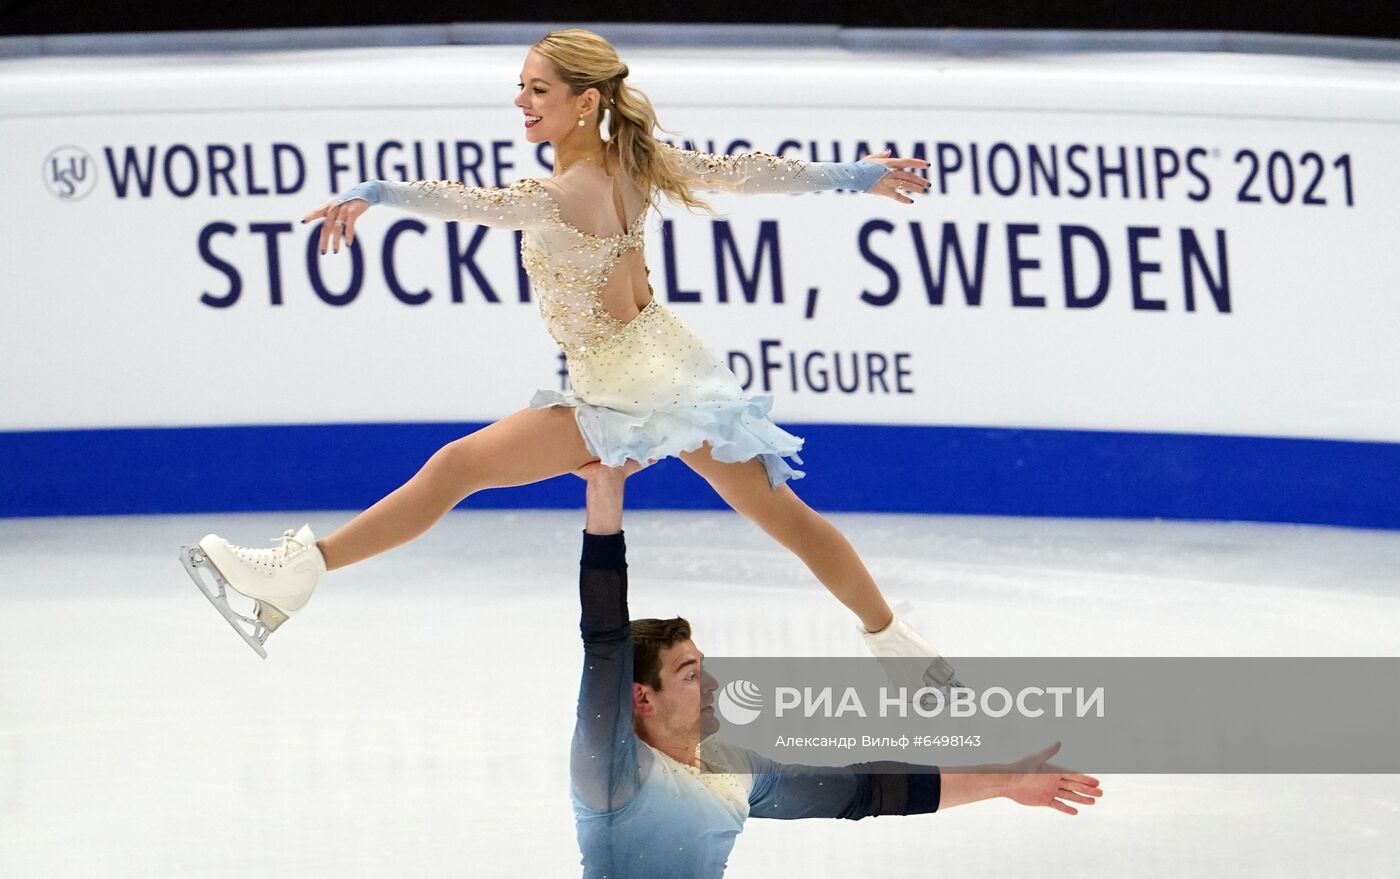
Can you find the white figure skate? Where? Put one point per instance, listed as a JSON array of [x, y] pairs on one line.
[[280, 580], [903, 645]]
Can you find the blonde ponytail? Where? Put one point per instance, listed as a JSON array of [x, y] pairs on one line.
[[586, 60]]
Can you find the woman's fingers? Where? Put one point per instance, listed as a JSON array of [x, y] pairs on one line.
[[890, 161], [319, 212], [328, 211], [340, 225], [339, 219], [912, 182], [326, 228], [884, 158], [899, 184], [351, 213], [344, 222]]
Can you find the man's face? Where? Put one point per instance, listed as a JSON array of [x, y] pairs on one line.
[[684, 707]]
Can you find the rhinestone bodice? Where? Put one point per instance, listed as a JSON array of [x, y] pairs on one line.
[[568, 269]]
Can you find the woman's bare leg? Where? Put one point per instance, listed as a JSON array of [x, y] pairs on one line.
[[781, 513], [531, 445]]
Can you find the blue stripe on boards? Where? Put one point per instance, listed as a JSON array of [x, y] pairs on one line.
[[874, 468]]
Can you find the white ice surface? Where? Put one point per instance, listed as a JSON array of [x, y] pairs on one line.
[[414, 721]]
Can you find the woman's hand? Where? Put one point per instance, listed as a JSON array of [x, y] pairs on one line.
[[898, 181], [340, 222]]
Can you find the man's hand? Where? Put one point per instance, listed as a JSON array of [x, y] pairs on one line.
[[604, 495], [596, 470], [1033, 781]]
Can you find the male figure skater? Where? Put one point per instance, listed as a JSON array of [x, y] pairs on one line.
[[656, 794]]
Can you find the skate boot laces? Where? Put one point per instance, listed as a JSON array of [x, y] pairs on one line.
[[275, 557]]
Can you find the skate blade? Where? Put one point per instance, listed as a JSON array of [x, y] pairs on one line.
[[194, 560], [940, 674]]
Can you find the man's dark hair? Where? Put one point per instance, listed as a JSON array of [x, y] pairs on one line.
[[649, 638]]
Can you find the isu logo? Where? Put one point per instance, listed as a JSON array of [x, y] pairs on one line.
[[70, 173]]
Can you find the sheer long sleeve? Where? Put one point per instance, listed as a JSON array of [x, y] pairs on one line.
[[757, 171], [604, 766], [861, 790], [521, 205]]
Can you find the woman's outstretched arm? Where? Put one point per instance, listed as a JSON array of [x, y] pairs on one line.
[[756, 172], [523, 204]]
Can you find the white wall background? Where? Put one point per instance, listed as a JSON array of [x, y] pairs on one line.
[[101, 322]]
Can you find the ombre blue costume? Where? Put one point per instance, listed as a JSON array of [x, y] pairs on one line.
[[647, 388], [640, 813]]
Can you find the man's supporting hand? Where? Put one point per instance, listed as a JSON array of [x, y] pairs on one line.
[[603, 498]]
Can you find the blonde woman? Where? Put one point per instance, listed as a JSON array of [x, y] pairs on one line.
[[643, 386]]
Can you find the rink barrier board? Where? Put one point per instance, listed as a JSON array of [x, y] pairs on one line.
[[851, 468]]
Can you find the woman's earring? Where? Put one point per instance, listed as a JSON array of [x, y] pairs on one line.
[[580, 121]]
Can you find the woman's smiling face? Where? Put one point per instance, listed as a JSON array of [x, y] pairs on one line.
[[545, 96]]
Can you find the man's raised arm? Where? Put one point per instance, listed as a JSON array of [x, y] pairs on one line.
[[603, 762]]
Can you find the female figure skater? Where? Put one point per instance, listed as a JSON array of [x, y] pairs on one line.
[[643, 386]]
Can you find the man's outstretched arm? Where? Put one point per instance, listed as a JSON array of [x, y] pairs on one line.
[[861, 790], [1031, 781], [784, 790]]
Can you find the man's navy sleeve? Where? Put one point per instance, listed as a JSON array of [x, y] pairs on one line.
[[603, 761], [861, 790]]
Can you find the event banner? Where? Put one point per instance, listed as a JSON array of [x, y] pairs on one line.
[[1096, 250], [1155, 284]]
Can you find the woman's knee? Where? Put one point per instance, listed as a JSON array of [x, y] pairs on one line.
[[454, 467]]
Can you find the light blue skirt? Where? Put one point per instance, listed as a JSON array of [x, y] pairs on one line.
[[653, 391]]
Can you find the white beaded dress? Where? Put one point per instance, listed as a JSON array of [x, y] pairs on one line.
[[646, 388]]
